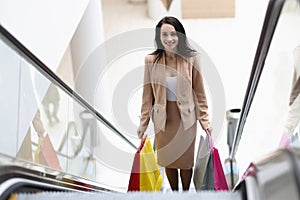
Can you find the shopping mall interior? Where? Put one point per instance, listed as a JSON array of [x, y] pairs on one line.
[[72, 86]]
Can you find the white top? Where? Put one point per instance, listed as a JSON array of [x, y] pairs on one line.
[[171, 84]]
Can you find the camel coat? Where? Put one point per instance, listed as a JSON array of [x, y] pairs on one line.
[[191, 98]]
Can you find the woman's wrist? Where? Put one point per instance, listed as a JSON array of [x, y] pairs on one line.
[[208, 130]]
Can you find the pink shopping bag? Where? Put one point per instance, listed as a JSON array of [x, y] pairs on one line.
[[219, 176]]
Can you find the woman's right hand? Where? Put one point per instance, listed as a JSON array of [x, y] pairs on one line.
[[140, 134]]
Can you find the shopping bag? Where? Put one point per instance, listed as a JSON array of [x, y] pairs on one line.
[[219, 176], [202, 158], [134, 180], [45, 153], [208, 179], [145, 173], [250, 171]]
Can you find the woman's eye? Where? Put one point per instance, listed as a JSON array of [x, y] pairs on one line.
[[173, 34]]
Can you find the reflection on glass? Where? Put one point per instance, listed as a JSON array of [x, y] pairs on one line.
[[290, 132], [46, 126], [51, 104], [45, 153]]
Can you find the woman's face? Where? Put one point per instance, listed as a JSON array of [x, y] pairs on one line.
[[168, 37]]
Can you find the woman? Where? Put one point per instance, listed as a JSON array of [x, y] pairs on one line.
[[293, 116], [174, 97]]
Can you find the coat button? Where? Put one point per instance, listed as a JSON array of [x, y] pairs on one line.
[[189, 110], [179, 103]]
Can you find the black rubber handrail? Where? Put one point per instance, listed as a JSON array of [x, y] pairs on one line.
[[269, 26], [42, 68]]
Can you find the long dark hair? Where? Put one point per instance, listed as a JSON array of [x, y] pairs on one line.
[[183, 49]]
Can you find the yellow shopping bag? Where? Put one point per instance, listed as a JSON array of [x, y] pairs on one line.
[[145, 173]]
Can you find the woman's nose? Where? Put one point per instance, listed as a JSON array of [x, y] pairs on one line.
[[169, 38]]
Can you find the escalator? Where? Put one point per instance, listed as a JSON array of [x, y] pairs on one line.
[[16, 178], [83, 162]]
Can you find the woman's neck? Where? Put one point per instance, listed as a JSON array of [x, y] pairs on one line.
[[170, 55]]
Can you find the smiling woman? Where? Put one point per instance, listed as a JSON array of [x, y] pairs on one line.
[[174, 97]]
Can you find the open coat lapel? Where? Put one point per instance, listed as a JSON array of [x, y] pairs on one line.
[[189, 88]]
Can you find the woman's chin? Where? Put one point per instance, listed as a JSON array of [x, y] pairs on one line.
[[172, 50]]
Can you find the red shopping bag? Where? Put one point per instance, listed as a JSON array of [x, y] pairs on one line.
[[145, 173], [134, 181], [219, 176]]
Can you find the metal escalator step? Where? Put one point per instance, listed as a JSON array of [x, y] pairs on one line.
[[207, 195]]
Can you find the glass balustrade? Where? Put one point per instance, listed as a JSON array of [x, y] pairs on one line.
[[43, 124]]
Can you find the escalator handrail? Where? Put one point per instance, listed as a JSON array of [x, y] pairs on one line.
[[13, 178], [269, 25], [42, 68]]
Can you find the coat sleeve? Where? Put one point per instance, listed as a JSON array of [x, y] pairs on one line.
[[147, 98], [200, 96], [293, 115]]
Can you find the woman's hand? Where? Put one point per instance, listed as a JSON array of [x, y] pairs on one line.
[[209, 131], [286, 139], [140, 134]]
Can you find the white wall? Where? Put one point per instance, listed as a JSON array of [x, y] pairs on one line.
[[87, 68], [44, 27]]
